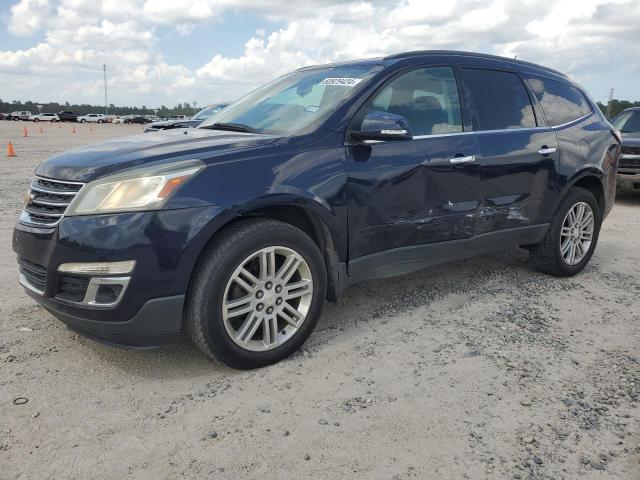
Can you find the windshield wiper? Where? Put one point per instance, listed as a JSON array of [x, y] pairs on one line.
[[233, 127]]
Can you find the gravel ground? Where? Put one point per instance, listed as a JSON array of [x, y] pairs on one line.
[[479, 369]]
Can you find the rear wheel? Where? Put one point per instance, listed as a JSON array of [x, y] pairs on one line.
[[572, 236], [257, 294]]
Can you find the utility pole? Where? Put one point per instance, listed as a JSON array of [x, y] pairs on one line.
[[106, 108], [609, 103], [195, 110]]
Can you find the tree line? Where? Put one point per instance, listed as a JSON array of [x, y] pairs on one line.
[[617, 106], [187, 109], [84, 108]]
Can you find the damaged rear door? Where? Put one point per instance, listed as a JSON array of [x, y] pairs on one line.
[[518, 155], [412, 192]]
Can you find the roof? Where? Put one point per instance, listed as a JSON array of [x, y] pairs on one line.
[[428, 53]]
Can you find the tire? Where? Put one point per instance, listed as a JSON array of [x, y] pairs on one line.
[[212, 285], [547, 256], [36, 120], [99, 121], [83, 121]]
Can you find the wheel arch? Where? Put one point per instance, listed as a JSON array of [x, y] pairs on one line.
[[589, 179], [307, 215]]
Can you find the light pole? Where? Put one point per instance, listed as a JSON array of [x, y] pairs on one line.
[[195, 110], [106, 109]]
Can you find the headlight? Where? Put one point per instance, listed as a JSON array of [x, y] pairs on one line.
[[145, 188]]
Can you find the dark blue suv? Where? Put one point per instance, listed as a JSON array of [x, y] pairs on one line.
[[236, 232]]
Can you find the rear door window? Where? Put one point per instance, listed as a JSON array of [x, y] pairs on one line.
[[501, 99], [560, 101]]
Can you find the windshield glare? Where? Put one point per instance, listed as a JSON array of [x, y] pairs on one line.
[[628, 122], [207, 112], [293, 102]]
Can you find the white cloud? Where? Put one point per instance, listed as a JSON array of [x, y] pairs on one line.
[[589, 40], [27, 16]]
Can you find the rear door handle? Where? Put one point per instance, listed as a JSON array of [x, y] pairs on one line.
[[468, 159], [547, 150]]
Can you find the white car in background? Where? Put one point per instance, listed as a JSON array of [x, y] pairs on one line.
[[44, 117], [92, 118], [122, 119]]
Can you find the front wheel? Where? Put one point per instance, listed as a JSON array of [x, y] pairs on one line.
[[83, 121], [572, 236], [257, 294]]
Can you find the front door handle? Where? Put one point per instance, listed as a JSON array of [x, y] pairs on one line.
[[547, 150], [468, 159]]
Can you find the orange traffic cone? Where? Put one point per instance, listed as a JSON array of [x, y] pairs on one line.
[[73, 130], [10, 151], [25, 132]]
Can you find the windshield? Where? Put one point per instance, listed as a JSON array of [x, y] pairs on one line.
[[207, 112], [293, 102], [628, 122]]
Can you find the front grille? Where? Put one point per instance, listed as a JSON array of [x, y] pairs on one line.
[[47, 201], [626, 150], [629, 162], [35, 275]]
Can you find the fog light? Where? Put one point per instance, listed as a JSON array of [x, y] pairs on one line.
[[98, 268], [108, 294]]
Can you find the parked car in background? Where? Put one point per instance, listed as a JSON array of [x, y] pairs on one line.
[[44, 117], [627, 123], [66, 116], [19, 115], [194, 121], [238, 231], [92, 118], [2, 116], [120, 119], [141, 119]]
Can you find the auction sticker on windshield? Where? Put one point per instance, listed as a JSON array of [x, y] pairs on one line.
[[343, 82]]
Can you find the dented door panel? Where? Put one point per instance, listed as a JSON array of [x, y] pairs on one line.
[[408, 193], [515, 178]]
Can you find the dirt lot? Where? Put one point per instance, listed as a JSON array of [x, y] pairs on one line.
[[480, 369]]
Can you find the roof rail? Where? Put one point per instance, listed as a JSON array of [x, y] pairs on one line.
[[421, 53]]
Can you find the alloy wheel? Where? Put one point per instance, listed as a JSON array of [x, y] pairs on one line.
[[576, 233], [267, 298]]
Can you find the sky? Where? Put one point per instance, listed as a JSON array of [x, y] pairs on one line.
[[165, 52]]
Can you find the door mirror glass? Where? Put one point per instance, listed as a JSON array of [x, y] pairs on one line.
[[383, 126]]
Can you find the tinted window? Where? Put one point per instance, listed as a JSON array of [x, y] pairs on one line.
[[427, 98], [628, 122], [501, 99], [560, 101]]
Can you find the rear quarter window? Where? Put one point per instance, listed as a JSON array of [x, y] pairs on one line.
[[560, 101]]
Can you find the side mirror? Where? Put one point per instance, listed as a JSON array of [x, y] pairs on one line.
[[383, 126]]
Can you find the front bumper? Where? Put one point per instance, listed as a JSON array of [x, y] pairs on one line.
[[165, 246]]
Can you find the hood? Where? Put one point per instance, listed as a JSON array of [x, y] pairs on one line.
[[631, 139], [93, 161]]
